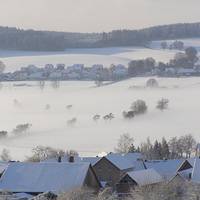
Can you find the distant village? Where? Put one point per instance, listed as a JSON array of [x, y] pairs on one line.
[[184, 64], [61, 72], [95, 73]]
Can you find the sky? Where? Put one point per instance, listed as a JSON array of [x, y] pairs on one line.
[[96, 15]]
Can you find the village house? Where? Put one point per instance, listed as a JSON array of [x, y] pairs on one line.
[[195, 174], [60, 67], [119, 71], [169, 168], [36, 178], [111, 168], [138, 178], [36, 76]]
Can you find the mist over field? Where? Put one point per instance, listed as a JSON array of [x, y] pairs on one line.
[[49, 127]]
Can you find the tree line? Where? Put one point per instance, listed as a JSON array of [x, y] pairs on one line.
[[19, 39], [173, 148], [185, 59]]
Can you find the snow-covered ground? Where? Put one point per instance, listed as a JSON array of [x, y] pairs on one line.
[[88, 137], [106, 56], [117, 55]]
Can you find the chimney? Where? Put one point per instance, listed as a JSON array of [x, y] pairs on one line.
[[59, 159], [71, 159]]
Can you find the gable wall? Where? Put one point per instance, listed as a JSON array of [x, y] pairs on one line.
[[107, 172]]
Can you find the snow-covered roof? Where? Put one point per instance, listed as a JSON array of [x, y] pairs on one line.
[[63, 159], [145, 177], [196, 171], [167, 168], [91, 160], [42, 177], [126, 161], [3, 166]]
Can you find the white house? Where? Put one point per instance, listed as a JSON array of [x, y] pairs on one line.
[[36, 76], [119, 71], [55, 75], [49, 67]]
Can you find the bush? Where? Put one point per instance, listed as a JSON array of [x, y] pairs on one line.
[[22, 128], [162, 104], [152, 83], [3, 134], [139, 107]]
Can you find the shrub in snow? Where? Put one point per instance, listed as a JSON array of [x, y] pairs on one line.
[[139, 107], [22, 128], [162, 104], [152, 83], [3, 134], [129, 114], [5, 155]]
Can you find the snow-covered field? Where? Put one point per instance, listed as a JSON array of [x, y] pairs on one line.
[[88, 137], [105, 56]]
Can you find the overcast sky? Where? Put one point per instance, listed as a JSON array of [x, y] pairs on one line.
[[96, 15]]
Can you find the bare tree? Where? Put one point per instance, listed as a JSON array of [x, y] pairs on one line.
[[162, 104], [41, 153], [188, 144], [2, 67], [3, 134], [147, 149], [125, 142], [22, 128], [5, 155]]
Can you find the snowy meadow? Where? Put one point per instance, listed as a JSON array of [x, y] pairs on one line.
[[49, 109], [50, 127]]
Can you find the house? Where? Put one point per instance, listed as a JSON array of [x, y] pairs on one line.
[[195, 176], [55, 75], [97, 67], [36, 76], [48, 68], [60, 67], [30, 69], [184, 171], [73, 76], [119, 71], [186, 72], [76, 68], [168, 168], [138, 178], [3, 167], [36, 178], [20, 75], [112, 167], [177, 179]]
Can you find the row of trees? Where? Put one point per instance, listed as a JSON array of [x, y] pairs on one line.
[[186, 59], [178, 45], [139, 107], [175, 147], [18, 39]]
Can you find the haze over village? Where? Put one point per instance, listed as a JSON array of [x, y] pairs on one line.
[[99, 100]]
